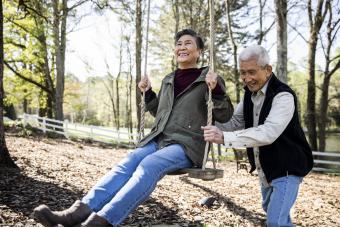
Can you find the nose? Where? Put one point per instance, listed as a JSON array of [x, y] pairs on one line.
[[246, 79], [181, 46]]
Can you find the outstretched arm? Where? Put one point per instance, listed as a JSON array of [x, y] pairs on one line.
[[276, 122]]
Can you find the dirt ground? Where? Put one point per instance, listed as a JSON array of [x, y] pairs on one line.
[[57, 172]]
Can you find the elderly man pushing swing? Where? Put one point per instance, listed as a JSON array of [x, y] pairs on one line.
[[266, 123]]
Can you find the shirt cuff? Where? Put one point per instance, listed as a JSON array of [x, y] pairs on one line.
[[231, 140], [149, 95], [218, 92]]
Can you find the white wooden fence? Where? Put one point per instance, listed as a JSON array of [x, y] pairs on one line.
[[330, 165], [122, 136], [68, 129]]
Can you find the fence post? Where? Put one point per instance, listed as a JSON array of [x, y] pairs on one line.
[[24, 120], [91, 132], [118, 137], [44, 124], [65, 129]]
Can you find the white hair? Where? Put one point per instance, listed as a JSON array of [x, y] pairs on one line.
[[255, 52]]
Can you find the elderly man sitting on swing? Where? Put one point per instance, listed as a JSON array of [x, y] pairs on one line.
[[175, 141]]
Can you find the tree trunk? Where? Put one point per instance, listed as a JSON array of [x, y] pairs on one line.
[[311, 113], [281, 25], [129, 90], [117, 81], [176, 15], [25, 105], [42, 112], [323, 113], [332, 30], [60, 46], [315, 25], [5, 158], [41, 25], [234, 49], [260, 38], [10, 111], [117, 102], [138, 56]]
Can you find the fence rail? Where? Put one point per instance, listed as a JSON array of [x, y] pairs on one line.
[[324, 161], [68, 129]]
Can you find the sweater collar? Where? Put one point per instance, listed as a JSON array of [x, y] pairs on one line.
[[170, 77]]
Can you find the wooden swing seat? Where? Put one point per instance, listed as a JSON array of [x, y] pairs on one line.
[[207, 174]]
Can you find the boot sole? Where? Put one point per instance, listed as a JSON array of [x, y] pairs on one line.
[[40, 217]]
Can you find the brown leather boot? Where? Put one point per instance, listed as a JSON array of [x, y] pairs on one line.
[[95, 221], [77, 213]]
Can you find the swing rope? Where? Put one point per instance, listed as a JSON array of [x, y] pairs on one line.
[[142, 103], [210, 103]]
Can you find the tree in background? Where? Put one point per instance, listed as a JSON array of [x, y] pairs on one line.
[[332, 64], [234, 47], [31, 54], [25, 48], [315, 23], [281, 35], [5, 158], [48, 58], [262, 32]]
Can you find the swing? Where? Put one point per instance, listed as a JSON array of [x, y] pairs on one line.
[[203, 173]]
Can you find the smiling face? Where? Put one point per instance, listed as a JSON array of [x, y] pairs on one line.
[[254, 76], [187, 52]]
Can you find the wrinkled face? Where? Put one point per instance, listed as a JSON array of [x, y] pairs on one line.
[[254, 76], [186, 51]]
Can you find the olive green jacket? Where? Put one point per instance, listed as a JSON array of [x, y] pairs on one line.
[[179, 120]]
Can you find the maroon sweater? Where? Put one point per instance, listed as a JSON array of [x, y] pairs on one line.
[[183, 78]]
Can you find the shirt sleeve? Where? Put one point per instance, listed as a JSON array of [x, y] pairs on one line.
[[280, 115], [150, 95]]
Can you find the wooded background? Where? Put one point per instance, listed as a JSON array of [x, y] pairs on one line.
[[34, 45]]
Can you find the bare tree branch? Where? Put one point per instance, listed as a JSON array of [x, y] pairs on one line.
[[336, 57], [76, 5], [299, 33], [336, 67], [25, 8], [27, 79]]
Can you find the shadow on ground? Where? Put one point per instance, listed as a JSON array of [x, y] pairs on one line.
[[253, 217], [153, 212], [22, 194]]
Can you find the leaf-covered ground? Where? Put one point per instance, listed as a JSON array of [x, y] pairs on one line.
[[57, 172]]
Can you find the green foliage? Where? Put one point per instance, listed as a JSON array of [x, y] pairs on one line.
[[89, 101], [24, 52], [298, 82]]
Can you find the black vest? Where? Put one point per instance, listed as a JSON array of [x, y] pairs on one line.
[[290, 153]]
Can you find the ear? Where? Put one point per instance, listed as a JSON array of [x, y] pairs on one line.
[[269, 69]]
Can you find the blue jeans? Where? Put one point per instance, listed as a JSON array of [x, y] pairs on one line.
[[278, 199], [130, 182]]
